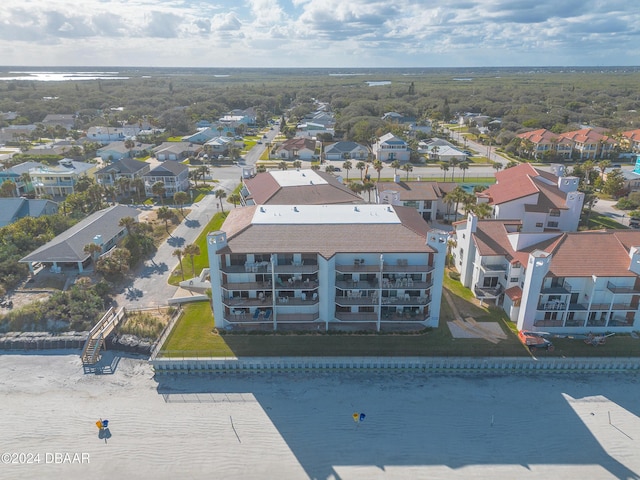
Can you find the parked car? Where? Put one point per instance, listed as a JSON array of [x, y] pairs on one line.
[[337, 169], [536, 341]]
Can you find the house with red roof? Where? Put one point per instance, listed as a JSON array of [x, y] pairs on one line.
[[584, 144], [558, 282], [542, 200], [298, 148], [630, 140]]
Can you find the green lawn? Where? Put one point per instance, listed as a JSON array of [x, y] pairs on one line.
[[199, 261], [597, 221], [194, 335]]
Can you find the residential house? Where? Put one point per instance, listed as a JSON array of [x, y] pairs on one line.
[[630, 140], [395, 117], [445, 153], [203, 135], [19, 174], [218, 146], [544, 143], [542, 200], [297, 149], [425, 146], [65, 120], [296, 187], [118, 150], [346, 151], [59, 180], [326, 266], [176, 151], [14, 133], [389, 148], [174, 175], [558, 282], [584, 144], [426, 197], [238, 117], [12, 209], [125, 167], [589, 144], [68, 249]]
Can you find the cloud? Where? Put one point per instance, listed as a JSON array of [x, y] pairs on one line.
[[354, 32]]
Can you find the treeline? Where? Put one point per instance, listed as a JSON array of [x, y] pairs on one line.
[[553, 99]]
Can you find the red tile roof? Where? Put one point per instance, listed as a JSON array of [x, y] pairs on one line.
[[514, 293], [604, 253], [587, 135]]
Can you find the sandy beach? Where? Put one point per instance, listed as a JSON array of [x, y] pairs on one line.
[[300, 425]]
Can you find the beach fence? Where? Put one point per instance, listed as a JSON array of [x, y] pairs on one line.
[[165, 364]]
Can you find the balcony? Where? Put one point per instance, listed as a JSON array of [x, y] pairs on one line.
[[488, 267], [552, 306], [622, 289], [563, 289], [359, 266], [405, 300]]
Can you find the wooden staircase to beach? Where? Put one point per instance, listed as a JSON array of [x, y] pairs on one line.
[[95, 341]]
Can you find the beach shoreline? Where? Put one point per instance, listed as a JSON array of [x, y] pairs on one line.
[[297, 425]]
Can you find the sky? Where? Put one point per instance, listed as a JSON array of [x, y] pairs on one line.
[[319, 33]]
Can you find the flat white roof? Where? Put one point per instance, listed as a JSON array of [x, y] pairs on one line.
[[297, 178], [324, 214]]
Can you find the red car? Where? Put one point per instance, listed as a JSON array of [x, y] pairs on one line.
[[535, 341]]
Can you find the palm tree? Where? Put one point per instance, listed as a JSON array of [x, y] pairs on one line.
[[235, 199], [93, 249], [347, 166], [26, 179], [220, 194], [454, 162], [451, 244], [159, 189], [458, 194], [297, 164], [138, 185], [511, 164], [129, 144], [112, 192], [497, 166], [202, 171], [180, 198], [483, 210], [165, 214], [356, 187], [603, 165], [7, 189], [192, 250], [395, 165], [128, 223], [407, 167], [444, 166], [368, 186], [179, 253], [464, 166], [124, 184], [434, 152], [193, 175], [378, 166], [283, 165], [329, 169], [361, 166]]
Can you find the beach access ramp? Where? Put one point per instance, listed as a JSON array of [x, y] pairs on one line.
[[95, 341]]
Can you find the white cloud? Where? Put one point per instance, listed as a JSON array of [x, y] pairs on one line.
[[337, 32]]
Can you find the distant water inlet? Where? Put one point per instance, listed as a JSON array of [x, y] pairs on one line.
[[59, 76], [379, 83]]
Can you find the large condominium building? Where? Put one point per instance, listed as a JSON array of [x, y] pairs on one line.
[[368, 266], [573, 282]]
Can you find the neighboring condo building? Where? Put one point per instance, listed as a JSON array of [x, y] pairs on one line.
[[575, 282], [362, 266], [543, 200], [295, 187]]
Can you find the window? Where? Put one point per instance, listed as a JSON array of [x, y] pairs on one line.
[[490, 282], [513, 280], [538, 224], [552, 224], [554, 212]]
